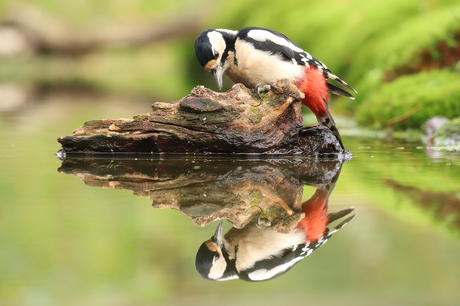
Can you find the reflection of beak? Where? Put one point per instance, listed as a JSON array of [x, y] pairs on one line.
[[217, 238], [218, 75]]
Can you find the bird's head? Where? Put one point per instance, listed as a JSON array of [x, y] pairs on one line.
[[210, 261], [211, 49]]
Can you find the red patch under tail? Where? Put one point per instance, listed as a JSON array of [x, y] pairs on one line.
[[314, 223], [314, 87]]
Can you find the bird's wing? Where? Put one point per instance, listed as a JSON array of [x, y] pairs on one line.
[[272, 267], [274, 42]]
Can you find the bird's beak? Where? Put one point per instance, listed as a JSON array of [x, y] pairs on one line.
[[217, 238], [217, 72]]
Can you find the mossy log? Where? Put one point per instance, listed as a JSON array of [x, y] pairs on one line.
[[204, 122], [206, 190]]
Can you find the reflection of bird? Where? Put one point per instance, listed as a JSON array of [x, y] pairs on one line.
[[259, 254], [257, 56]]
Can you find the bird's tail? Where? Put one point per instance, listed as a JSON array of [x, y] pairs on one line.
[[341, 82], [341, 224], [327, 120]]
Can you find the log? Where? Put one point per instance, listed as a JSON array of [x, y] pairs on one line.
[[219, 188], [204, 122]]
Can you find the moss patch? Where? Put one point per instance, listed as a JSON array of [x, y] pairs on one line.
[[256, 117], [411, 100], [255, 197], [449, 132]]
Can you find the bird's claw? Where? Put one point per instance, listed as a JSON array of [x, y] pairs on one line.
[[262, 222], [262, 88]]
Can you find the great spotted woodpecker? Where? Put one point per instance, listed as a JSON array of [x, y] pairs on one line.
[[256, 253], [257, 57]]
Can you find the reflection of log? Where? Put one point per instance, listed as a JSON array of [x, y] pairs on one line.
[[207, 122], [46, 34], [213, 189]]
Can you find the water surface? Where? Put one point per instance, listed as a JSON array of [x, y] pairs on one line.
[[67, 240]]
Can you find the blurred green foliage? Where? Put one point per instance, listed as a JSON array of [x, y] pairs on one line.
[[360, 41], [64, 243], [86, 13]]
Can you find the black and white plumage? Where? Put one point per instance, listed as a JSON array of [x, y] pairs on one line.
[[257, 56], [257, 254]]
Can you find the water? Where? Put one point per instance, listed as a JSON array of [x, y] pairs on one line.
[[84, 232]]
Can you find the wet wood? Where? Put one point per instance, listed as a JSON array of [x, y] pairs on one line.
[[205, 122]]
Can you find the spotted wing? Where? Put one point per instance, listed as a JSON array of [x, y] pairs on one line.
[[273, 267], [274, 42]]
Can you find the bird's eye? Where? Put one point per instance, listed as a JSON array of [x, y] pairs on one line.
[[216, 54]]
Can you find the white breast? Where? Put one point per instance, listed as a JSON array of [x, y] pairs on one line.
[[255, 244], [256, 66]]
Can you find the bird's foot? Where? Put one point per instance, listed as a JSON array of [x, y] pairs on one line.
[[263, 222], [262, 89]]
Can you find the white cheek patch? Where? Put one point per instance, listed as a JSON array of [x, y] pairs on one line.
[[218, 268], [217, 42]]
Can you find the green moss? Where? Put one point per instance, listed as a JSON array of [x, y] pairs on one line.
[[286, 137], [270, 213], [141, 117], [417, 97], [256, 117], [255, 198], [273, 103], [450, 130]]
